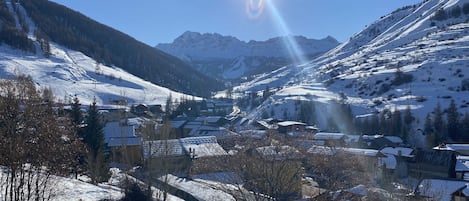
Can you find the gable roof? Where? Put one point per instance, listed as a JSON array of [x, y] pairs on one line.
[[398, 151], [439, 189], [290, 123], [329, 136], [203, 146]]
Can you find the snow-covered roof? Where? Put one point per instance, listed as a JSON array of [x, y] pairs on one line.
[[116, 134], [462, 164], [290, 123], [398, 151], [453, 147], [394, 139], [362, 152], [203, 146], [219, 132], [209, 119], [324, 150], [439, 189], [328, 136], [200, 190], [278, 152]]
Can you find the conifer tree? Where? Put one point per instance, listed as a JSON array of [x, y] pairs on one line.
[[94, 138], [465, 127], [77, 116], [396, 123], [452, 117], [438, 124], [408, 119]]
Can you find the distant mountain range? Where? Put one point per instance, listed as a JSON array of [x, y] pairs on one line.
[[414, 57], [35, 26], [227, 57]]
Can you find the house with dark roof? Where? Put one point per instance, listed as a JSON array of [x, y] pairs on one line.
[[331, 139], [433, 164]]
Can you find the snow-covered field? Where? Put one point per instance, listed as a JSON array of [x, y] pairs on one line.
[[62, 188]]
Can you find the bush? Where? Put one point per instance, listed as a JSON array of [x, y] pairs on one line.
[[440, 15], [133, 192]]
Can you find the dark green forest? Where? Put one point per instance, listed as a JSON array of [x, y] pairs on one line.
[[108, 46]]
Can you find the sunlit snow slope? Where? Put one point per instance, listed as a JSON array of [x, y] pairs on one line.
[[406, 58]]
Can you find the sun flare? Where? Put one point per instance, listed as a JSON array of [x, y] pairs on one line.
[[254, 8]]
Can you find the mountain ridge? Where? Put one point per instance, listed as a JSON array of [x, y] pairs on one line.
[[227, 57]]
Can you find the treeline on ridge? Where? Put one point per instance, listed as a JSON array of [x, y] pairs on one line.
[[111, 47]]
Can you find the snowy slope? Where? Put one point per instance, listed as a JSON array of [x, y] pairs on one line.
[[69, 73], [431, 55], [230, 58]]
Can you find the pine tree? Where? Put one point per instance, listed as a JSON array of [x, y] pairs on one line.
[[429, 132], [168, 108], [77, 116], [396, 123], [438, 124], [465, 127], [408, 119], [452, 117], [94, 138]]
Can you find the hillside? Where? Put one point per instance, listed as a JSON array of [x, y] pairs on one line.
[[227, 57], [58, 24], [409, 58], [68, 72]]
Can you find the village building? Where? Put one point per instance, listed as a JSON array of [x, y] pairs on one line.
[[291, 127], [433, 164], [459, 149], [462, 167], [379, 141], [442, 190], [331, 139], [123, 143], [178, 154]]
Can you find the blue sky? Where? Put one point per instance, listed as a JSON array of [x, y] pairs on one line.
[[161, 21]]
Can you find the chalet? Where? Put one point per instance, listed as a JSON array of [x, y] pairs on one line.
[[433, 164], [397, 159], [212, 121], [462, 167], [177, 128], [459, 149], [461, 194], [379, 141], [331, 139], [124, 145], [141, 109], [219, 132], [179, 153], [443, 190], [261, 125], [287, 127]]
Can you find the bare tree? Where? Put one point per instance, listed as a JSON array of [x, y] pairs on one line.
[[36, 143]]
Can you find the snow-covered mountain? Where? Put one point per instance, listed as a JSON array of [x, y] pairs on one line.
[[230, 58], [68, 73], [416, 56]]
